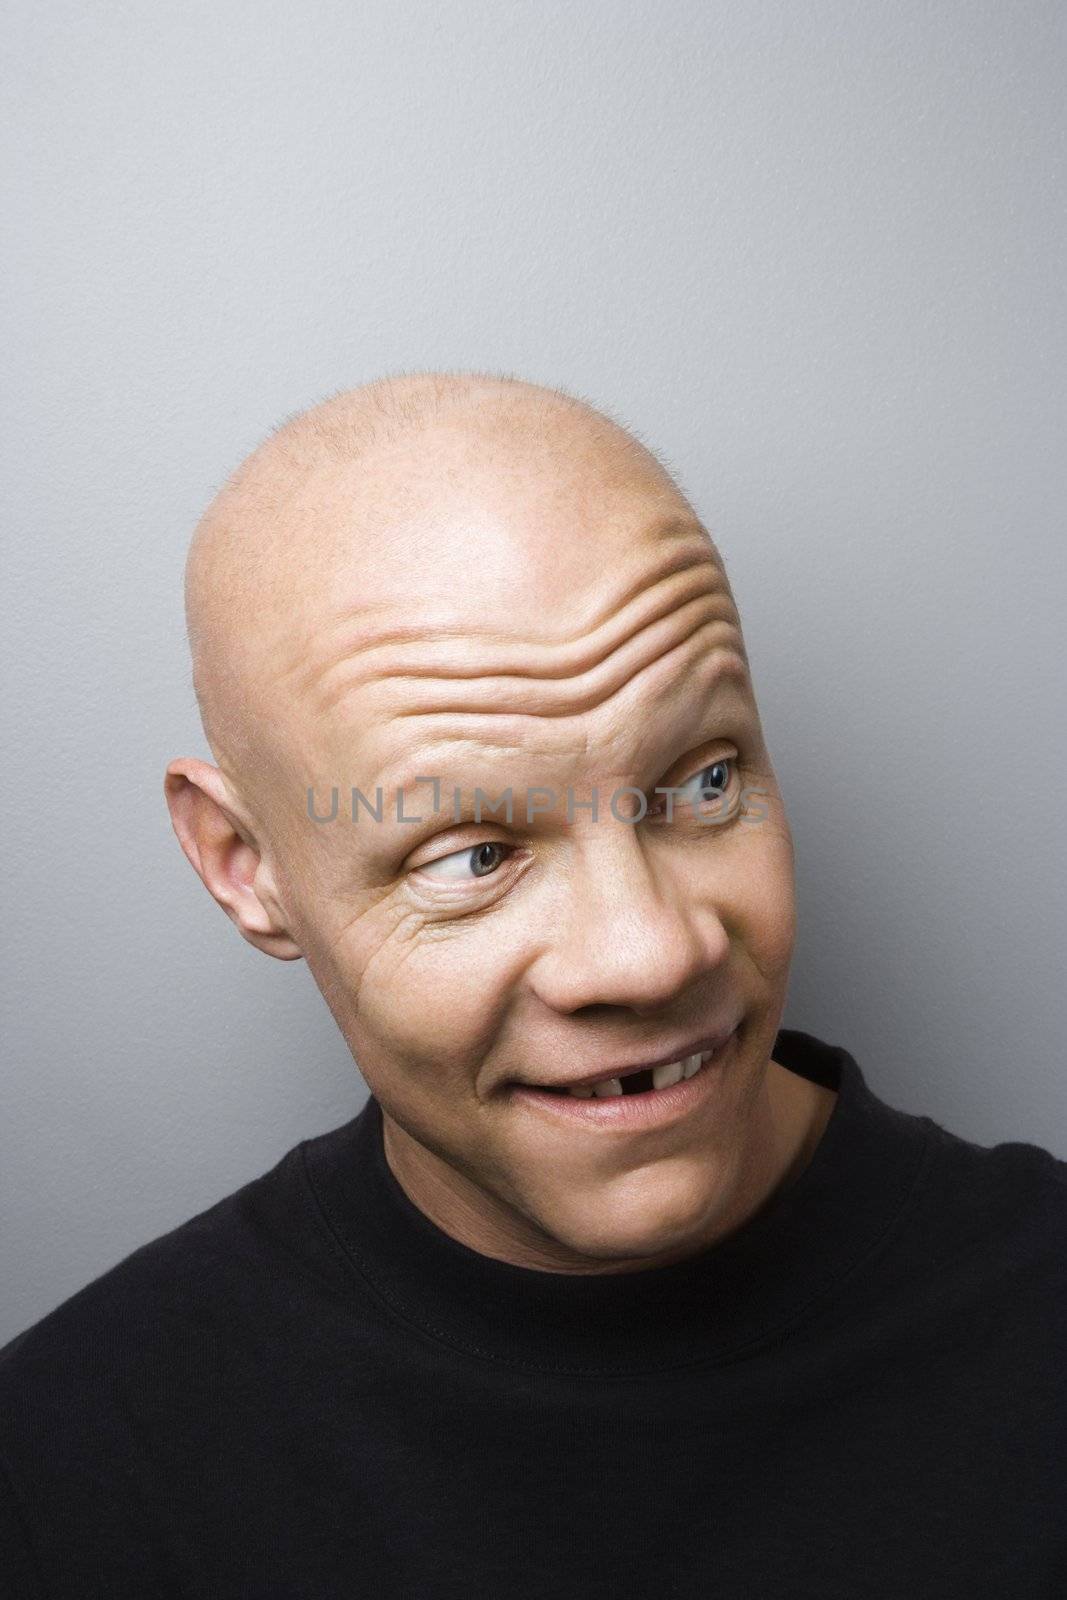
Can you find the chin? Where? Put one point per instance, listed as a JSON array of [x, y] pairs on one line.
[[643, 1219]]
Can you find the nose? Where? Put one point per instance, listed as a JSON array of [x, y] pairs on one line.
[[631, 936]]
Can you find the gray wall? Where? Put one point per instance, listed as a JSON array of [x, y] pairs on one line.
[[812, 253]]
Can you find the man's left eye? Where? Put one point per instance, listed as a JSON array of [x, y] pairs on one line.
[[708, 783]]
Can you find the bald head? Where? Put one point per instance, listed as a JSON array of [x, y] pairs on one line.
[[457, 493]]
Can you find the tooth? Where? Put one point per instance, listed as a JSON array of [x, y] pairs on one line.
[[663, 1077], [692, 1066], [582, 1090], [609, 1087]]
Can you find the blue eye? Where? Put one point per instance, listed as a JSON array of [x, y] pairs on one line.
[[483, 859], [710, 782]]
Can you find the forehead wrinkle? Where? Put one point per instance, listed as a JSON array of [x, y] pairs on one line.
[[586, 692], [720, 672], [330, 646], [392, 655]]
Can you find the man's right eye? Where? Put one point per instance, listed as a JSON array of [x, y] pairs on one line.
[[480, 859]]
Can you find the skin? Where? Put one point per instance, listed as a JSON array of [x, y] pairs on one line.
[[481, 580]]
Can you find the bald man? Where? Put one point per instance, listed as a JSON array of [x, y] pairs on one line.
[[615, 1286]]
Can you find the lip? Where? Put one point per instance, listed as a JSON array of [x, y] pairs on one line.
[[632, 1113], [706, 1045]]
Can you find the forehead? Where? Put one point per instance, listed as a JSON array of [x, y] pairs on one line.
[[506, 591], [470, 523], [383, 691]]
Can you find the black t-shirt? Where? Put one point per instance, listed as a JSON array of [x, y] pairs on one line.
[[311, 1392]]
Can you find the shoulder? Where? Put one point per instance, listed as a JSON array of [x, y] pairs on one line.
[[168, 1304], [989, 1223], [187, 1348], [1017, 1184]]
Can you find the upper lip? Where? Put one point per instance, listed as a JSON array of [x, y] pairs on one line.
[[707, 1043]]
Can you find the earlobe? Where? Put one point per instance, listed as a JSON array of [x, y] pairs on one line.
[[224, 854]]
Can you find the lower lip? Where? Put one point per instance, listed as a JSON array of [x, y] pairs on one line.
[[651, 1109]]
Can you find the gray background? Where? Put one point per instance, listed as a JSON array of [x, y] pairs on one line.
[[812, 253]]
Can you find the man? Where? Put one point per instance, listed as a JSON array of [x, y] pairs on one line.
[[615, 1287]]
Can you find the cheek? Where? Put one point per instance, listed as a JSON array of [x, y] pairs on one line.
[[774, 931], [411, 998], [753, 892]]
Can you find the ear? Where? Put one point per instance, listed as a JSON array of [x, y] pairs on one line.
[[225, 855]]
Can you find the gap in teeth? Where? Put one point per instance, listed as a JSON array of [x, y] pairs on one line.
[[648, 1078]]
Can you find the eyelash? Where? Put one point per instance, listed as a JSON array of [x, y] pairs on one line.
[[656, 809]]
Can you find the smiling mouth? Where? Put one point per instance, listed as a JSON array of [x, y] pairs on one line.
[[644, 1080]]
